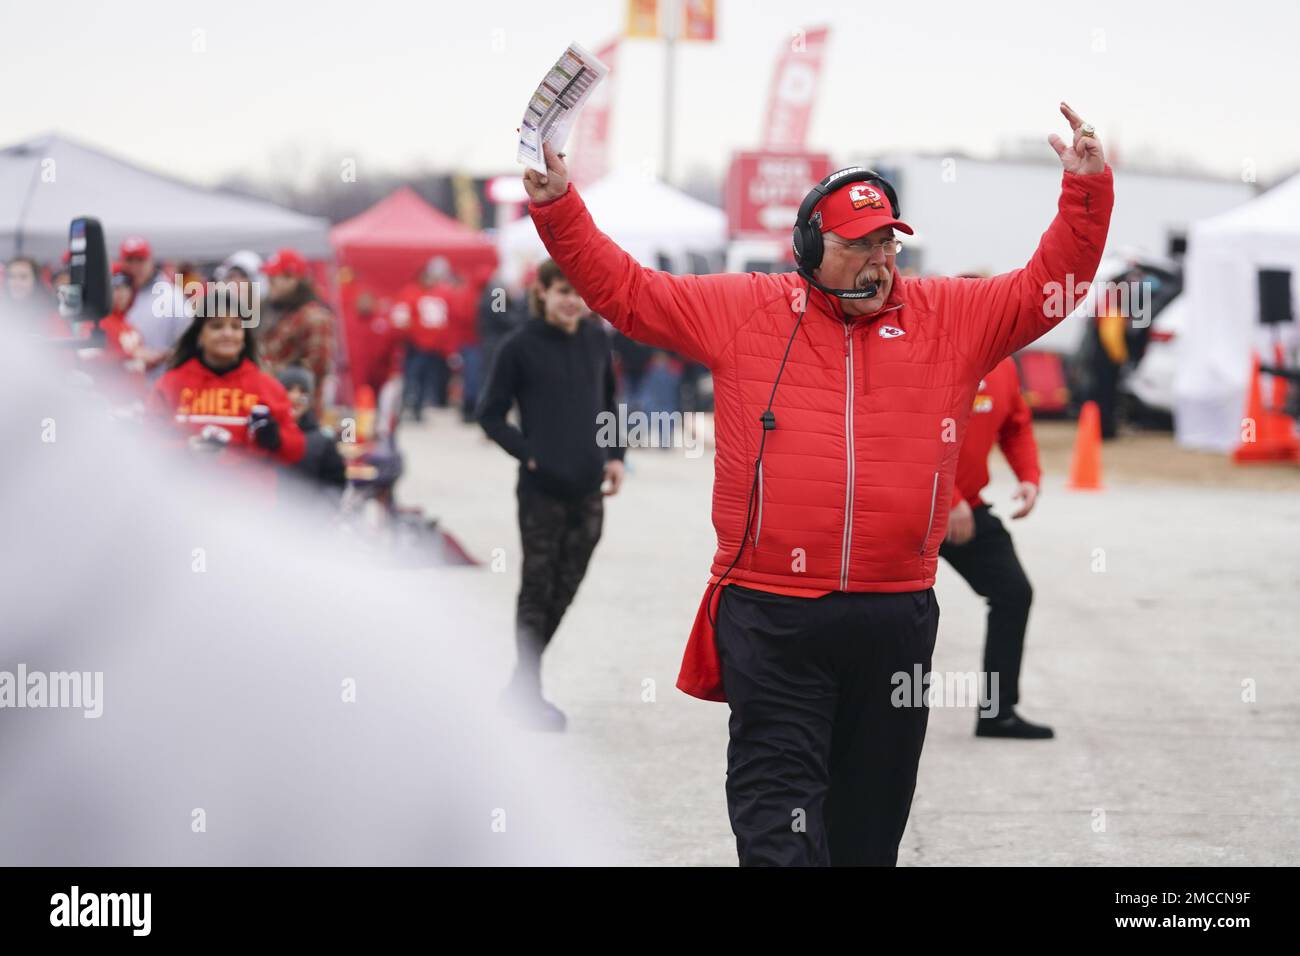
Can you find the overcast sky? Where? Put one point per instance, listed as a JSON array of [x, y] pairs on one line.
[[400, 84]]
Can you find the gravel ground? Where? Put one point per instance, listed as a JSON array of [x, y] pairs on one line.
[[1141, 667]]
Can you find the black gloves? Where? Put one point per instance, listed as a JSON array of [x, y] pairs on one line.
[[263, 429]]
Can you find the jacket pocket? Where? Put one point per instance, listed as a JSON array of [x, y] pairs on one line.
[[758, 519], [929, 524]]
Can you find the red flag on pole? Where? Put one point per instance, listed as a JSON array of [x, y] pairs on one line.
[[699, 20], [794, 91]]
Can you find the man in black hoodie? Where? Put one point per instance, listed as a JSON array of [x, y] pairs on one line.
[[557, 368]]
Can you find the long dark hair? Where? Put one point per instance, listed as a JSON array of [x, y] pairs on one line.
[[187, 346]]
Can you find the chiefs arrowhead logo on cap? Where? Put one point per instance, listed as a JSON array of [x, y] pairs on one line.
[[864, 195]]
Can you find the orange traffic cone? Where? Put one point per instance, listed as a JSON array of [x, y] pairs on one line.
[[1267, 435], [1085, 468]]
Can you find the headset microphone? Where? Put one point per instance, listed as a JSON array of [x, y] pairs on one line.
[[869, 292]]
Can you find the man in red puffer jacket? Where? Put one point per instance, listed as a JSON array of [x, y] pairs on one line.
[[842, 392]]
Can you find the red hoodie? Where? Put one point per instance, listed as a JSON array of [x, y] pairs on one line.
[[193, 396], [428, 314], [999, 413], [857, 479]]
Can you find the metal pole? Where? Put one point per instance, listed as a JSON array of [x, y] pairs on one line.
[[671, 10]]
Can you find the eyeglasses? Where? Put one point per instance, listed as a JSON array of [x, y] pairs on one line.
[[890, 247]]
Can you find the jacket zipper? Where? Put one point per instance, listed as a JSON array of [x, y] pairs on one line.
[[759, 527], [848, 437], [934, 496]]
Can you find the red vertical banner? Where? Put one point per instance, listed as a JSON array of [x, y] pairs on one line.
[[588, 157], [699, 20], [794, 91], [642, 19]]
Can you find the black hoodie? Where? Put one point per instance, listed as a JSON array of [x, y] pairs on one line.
[[561, 383]]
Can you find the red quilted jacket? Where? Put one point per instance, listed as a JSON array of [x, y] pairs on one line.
[[857, 477], [998, 414]]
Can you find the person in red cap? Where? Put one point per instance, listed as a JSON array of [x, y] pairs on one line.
[[842, 392], [978, 547], [300, 328], [159, 312]]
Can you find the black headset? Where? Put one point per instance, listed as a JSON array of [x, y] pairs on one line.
[[808, 251], [809, 246]]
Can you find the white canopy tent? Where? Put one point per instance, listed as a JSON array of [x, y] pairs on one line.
[[48, 181], [646, 217], [1224, 256]]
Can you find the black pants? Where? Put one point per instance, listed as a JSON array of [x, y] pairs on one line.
[[1105, 390], [822, 765], [558, 539], [989, 564], [427, 376]]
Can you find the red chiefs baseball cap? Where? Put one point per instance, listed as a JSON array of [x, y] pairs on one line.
[[133, 247], [286, 262], [856, 210]]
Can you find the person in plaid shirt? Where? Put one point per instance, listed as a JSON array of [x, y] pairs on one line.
[[302, 328]]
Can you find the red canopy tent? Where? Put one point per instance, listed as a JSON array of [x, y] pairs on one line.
[[386, 246]]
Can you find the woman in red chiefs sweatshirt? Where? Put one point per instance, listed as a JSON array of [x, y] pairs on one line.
[[216, 395]]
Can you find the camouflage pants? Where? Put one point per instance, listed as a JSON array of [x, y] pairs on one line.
[[558, 539]]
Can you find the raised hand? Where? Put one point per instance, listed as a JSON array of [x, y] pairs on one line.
[[1084, 157], [552, 185]]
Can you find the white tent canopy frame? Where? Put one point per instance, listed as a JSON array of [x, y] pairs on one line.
[[1224, 256], [47, 182]]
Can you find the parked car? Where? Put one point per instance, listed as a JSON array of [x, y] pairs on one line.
[[1143, 285]]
